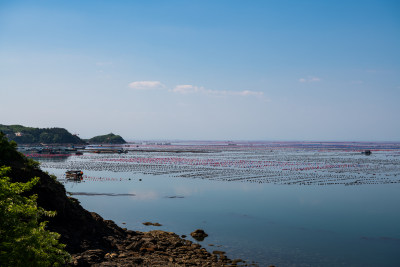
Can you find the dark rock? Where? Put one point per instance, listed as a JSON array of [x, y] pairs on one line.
[[153, 224], [218, 252], [236, 261], [199, 235], [135, 246], [136, 260], [89, 257]]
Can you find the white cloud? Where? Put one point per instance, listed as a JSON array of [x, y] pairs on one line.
[[187, 89], [310, 79], [250, 93], [314, 79], [191, 89], [146, 85]]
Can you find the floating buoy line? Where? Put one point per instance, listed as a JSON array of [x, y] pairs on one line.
[[289, 166]]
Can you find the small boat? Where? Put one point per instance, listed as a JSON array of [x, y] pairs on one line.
[[76, 175]]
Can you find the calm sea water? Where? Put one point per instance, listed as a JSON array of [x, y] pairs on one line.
[[278, 223]]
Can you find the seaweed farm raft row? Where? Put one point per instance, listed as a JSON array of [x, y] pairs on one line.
[[246, 164]]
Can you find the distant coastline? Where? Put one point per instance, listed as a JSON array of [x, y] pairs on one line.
[[23, 135]]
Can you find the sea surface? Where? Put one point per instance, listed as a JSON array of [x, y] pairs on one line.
[[274, 203]]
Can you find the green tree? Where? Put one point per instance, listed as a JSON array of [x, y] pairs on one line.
[[9, 154], [57, 138], [24, 241], [8, 151], [25, 138], [45, 138], [107, 139]]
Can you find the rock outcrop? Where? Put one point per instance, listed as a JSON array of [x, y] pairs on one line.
[[199, 235]]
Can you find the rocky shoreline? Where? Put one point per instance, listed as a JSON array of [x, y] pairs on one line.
[[154, 248]]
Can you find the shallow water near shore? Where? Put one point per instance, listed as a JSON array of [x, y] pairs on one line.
[[271, 223]]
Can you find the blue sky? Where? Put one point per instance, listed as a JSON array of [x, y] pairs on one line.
[[201, 70]]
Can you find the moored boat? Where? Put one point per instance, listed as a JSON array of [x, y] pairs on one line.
[[74, 175]]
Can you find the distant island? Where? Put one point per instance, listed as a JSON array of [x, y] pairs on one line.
[[53, 136], [30, 135], [107, 139]]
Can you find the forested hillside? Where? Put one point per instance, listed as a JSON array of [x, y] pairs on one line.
[[31, 135], [107, 139]]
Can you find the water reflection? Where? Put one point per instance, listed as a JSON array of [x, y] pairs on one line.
[[260, 217], [59, 158]]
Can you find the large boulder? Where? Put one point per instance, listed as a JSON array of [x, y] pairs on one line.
[[199, 235]]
